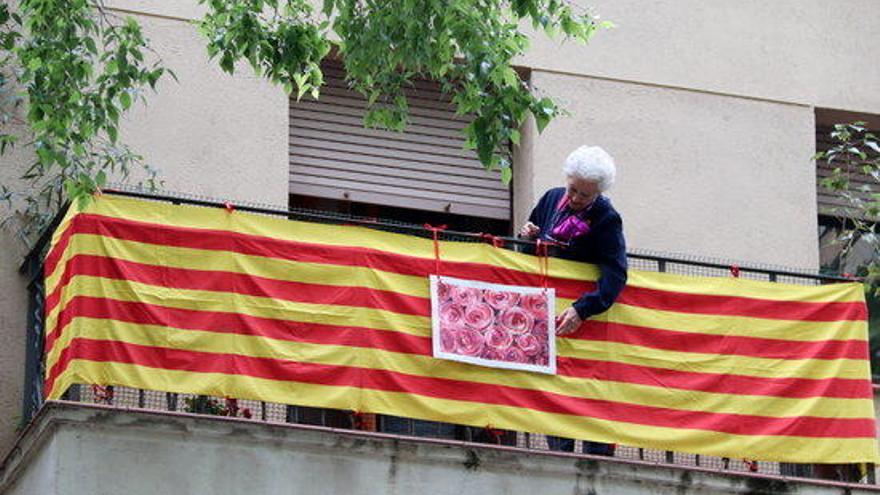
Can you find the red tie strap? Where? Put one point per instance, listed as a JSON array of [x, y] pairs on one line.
[[494, 434], [542, 253], [492, 239], [435, 231]]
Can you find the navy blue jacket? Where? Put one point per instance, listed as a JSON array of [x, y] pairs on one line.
[[603, 245]]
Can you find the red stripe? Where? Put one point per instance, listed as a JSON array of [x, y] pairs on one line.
[[731, 345], [238, 283], [235, 323], [721, 383], [742, 306], [207, 239], [275, 369], [58, 250], [182, 278]]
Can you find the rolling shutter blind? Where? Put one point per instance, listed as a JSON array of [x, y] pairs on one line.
[[333, 156], [830, 202]]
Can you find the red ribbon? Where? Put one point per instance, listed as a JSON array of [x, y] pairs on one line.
[[753, 465], [543, 260], [435, 231], [494, 434]]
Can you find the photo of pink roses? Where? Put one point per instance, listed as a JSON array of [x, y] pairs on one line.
[[495, 325]]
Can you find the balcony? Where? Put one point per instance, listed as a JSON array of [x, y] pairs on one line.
[[99, 429]]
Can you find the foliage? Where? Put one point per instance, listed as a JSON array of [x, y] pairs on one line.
[[467, 46], [80, 69], [202, 404], [8, 100], [856, 153]]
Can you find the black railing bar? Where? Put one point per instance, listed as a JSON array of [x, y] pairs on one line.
[[44, 239]]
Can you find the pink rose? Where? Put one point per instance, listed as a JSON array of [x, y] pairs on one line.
[[536, 304], [498, 338], [539, 359], [491, 354], [516, 320], [464, 296], [443, 292], [529, 344], [539, 330], [500, 300], [478, 316], [451, 315], [543, 355], [470, 342], [448, 340], [514, 355]]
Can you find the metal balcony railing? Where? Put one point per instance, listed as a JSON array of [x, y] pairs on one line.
[[280, 413]]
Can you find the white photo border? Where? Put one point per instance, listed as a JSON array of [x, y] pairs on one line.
[[550, 292]]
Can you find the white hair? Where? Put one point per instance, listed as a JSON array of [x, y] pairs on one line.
[[593, 164]]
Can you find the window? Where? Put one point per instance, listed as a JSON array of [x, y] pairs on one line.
[[417, 176]]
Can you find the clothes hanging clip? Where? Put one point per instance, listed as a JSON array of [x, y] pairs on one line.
[[229, 206], [734, 270]]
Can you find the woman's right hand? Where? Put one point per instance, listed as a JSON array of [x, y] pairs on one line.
[[529, 230]]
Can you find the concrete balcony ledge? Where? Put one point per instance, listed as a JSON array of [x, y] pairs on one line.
[[75, 448]]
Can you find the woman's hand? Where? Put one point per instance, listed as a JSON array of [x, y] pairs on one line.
[[529, 230], [568, 322]]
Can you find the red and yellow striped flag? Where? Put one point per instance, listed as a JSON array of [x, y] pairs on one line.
[[206, 301]]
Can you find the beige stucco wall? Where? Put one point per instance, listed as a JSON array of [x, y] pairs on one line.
[[210, 133], [13, 310], [812, 52], [699, 173]]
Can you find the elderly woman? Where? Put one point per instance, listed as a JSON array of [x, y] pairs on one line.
[[580, 216]]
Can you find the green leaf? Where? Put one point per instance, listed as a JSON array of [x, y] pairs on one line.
[[514, 137], [125, 100], [506, 175]]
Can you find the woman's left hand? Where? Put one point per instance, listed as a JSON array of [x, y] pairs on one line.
[[568, 322]]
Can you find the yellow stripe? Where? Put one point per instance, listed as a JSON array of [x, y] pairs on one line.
[[347, 236], [419, 325], [260, 347], [784, 449], [767, 328], [714, 363], [742, 287]]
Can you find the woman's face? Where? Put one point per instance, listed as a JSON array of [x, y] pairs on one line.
[[581, 193]]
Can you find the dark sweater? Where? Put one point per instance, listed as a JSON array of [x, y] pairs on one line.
[[603, 245]]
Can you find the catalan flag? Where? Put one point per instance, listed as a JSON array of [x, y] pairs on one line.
[[208, 301]]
